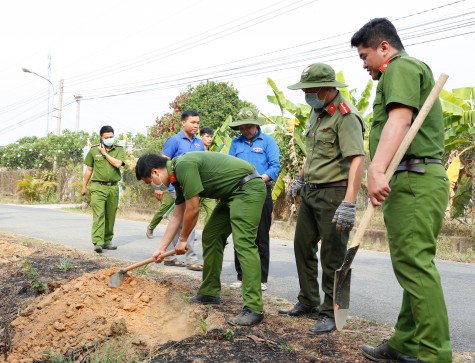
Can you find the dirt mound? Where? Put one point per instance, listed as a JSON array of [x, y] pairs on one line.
[[86, 312]]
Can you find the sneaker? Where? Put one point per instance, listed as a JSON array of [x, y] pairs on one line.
[[236, 285], [98, 249], [247, 317], [149, 233], [324, 324], [385, 353], [205, 299], [263, 286], [109, 247]]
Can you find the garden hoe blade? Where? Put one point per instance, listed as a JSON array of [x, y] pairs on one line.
[[117, 278], [341, 286]]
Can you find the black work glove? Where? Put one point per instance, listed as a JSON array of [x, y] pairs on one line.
[[345, 216], [296, 185]]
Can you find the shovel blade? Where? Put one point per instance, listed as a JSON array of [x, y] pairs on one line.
[[341, 297], [117, 278]]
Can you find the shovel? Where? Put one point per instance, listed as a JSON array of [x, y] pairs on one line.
[[116, 279], [341, 286]]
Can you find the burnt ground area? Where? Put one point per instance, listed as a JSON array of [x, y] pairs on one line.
[[209, 338]]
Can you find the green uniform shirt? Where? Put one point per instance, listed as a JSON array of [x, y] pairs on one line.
[[332, 136], [408, 81], [103, 170], [209, 175]]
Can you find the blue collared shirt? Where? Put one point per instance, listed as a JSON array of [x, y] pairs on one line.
[[179, 144], [262, 152]]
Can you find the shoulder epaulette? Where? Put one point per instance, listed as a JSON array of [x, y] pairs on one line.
[[344, 109]]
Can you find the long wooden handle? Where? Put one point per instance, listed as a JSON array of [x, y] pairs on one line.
[[411, 134], [147, 261]]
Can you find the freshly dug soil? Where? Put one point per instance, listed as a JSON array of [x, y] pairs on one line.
[[78, 316]]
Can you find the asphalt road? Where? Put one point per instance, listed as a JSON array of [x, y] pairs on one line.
[[375, 293]]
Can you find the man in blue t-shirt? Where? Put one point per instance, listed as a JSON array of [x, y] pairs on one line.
[[176, 145], [262, 152]]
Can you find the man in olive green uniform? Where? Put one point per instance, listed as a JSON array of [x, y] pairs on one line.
[[241, 194], [329, 184], [103, 163], [415, 198]]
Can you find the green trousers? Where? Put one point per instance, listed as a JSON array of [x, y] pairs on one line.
[[167, 202], [239, 215], [314, 224], [414, 213], [104, 201], [206, 208]]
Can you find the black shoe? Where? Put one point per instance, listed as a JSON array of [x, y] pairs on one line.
[[385, 353], [109, 247], [98, 249], [205, 299], [324, 324], [247, 317], [299, 309]]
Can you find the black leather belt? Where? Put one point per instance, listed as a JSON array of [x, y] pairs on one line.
[[409, 164], [253, 175], [104, 183], [343, 183]]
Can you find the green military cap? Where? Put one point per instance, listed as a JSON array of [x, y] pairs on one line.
[[317, 75], [247, 116]]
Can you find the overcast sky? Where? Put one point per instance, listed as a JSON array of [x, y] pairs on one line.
[[129, 59]]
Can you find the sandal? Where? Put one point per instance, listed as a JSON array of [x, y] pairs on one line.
[[195, 266], [175, 262]]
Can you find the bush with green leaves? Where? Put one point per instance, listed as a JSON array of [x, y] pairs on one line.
[[43, 153], [40, 187]]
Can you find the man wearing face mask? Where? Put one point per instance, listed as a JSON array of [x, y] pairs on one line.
[[328, 185], [103, 162]]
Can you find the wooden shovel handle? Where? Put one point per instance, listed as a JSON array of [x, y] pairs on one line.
[[150, 260], [416, 125]]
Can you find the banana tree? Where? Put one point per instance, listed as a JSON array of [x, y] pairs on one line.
[[459, 121]]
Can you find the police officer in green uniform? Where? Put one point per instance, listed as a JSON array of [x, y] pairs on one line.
[[240, 192], [329, 184], [415, 198], [103, 163]]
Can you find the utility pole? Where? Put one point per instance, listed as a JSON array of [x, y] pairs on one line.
[[78, 99], [60, 107], [48, 119]]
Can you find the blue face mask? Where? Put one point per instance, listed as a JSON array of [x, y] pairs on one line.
[[313, 100], [160, 187], [108, 142]]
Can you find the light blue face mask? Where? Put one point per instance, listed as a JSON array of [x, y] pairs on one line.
[[108, 142], [160, 187], [313, 100]]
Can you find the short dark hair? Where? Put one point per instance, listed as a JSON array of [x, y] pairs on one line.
[[206, 130], [374, 32], [105, 129], [189, 113], [147, 162]]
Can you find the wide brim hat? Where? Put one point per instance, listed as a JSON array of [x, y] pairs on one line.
[[317, 75], [247, 116]]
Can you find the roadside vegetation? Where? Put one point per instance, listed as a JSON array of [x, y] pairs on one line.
[[50, 169]]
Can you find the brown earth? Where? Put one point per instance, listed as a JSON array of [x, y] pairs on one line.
[[146, 319]]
